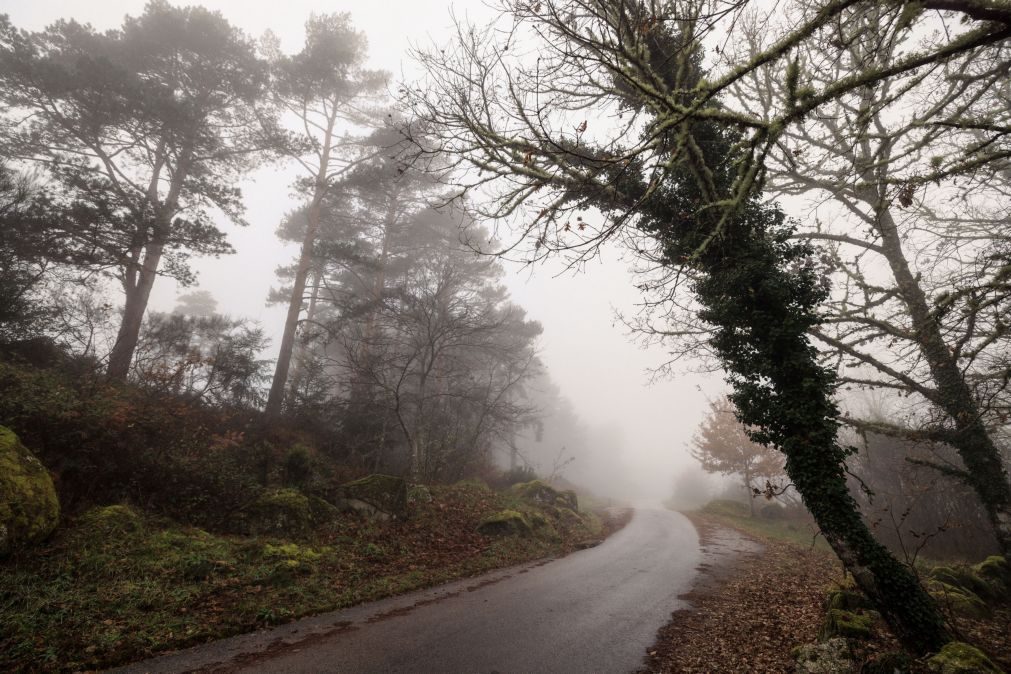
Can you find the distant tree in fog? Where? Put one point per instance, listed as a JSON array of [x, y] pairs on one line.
[[197, 303], [212, 358], [722, 446]]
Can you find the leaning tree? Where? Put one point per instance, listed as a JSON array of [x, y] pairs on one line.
[[906, 180], [614, 113]]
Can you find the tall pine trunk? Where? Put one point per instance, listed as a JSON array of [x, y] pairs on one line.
[[138, 291], [278, 385]]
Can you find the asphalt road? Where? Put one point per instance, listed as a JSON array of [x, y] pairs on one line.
[[596, 610]]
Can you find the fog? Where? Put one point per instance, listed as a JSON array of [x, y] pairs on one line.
[[638, 430]]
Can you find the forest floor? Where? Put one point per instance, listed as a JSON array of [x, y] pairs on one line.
[[749, 614], [121, 585]]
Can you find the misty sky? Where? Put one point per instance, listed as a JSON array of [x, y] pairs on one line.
[[592, 360]]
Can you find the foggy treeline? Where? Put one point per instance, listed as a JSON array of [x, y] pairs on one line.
[[822, 217], [401, 344]]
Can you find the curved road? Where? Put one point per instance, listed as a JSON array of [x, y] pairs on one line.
[[597, 610]]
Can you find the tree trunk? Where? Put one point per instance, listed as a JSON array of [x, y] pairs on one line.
[[279, 384], [299, 357], [763, 310], [985, 471], [889, 584], [137, 296], [749, 493]]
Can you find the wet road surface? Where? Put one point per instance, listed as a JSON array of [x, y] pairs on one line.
[[596, 610]]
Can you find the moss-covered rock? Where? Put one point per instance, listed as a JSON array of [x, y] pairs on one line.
[[505, 523], [847, 624], [278, 512], [995, 567], [321, 511], [378, 496], [996, 572], [964, 578], [546, 495], [829, 657], [958, 599], [960, 658], [846, 599], [29, 509]]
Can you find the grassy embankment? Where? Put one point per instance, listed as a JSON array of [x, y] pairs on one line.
[[799, 531], [116, 585]]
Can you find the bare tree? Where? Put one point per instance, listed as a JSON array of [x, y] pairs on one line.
[[722, 445], [907, 178]]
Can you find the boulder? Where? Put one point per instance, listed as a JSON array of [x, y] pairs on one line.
[[964, 578], [960, 658], [29, 508], [958, 599], [505, 523], [996, 572], [847, 624], [544, 494], [846, 599], [376, 496], [829, 657], [278, 512]]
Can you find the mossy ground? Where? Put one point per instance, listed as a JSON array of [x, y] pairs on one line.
[[114, 585]]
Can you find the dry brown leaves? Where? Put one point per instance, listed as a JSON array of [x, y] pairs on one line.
[[748, 614]]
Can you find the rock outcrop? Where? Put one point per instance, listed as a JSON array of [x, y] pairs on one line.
[[376, 496], [29, 508], [546, 495], [505, 523]]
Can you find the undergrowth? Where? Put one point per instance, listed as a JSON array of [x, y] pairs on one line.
[[116, 585]]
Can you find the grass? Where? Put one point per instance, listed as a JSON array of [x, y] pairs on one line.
[[116, 585], [795, 531]]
